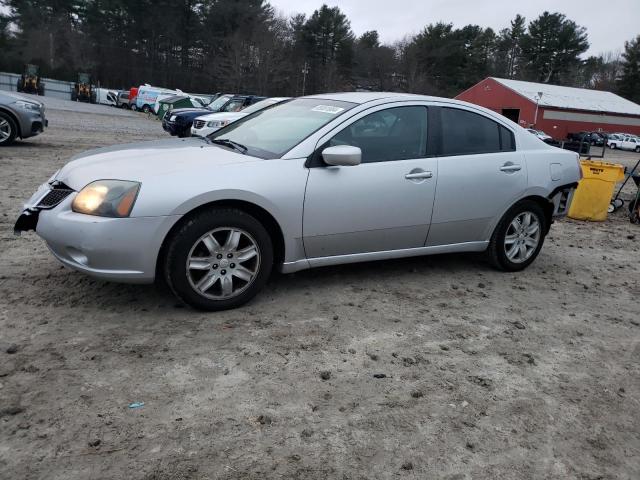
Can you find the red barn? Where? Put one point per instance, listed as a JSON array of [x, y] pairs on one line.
[[555, 110]]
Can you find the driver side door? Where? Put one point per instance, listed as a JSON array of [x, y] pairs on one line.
[[383, 204]]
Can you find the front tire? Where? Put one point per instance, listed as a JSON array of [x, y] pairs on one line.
[[218, 259], [518, 237], [8, 130]]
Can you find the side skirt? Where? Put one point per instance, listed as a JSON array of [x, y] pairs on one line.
[[296, 266]]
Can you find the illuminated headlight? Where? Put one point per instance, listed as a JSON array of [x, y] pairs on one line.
[[173, 118], [107, 198], [217, 123], [33, 107]]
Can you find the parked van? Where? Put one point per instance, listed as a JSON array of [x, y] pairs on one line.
[[105, 96], [133, 97], [147, 96]]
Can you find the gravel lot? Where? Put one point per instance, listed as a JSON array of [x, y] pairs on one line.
[[435, 367]]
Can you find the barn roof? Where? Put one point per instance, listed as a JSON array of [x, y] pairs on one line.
[[572, 98]]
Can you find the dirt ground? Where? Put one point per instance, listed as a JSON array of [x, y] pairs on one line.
[[428, 368]]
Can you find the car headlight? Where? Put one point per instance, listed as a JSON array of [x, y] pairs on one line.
[[33, 107], [217, 123], [107, 198], [173, 118]]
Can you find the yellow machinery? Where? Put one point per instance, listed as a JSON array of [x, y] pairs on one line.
[[30, 81], [83, 90]]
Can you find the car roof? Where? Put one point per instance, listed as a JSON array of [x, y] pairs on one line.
[[387, 97], [362, 97]]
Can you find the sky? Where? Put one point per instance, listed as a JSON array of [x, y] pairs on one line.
[[608, 23]]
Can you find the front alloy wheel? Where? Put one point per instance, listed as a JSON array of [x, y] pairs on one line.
[[7, 130], [223, 263], [218, 259]]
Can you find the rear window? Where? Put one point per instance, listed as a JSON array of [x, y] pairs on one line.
[[467, 133]]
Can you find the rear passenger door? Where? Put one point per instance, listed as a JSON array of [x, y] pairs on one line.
[[480, 174]]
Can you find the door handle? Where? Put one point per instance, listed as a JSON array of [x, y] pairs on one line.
[[418, 175], [510, 167]]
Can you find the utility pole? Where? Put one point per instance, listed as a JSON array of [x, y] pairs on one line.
[[535, 118], [51, 50], [305, 71]]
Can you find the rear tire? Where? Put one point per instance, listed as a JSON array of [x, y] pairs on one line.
[[612, 146], [515, 244], [146, 108], [8, 130], [237, 264]]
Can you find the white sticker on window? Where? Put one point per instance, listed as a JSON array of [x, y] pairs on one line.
[[327, 109]]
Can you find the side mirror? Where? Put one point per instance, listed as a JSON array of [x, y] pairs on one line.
[[342, 156]]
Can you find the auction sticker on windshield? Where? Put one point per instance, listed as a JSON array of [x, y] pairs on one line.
[[327, 109]]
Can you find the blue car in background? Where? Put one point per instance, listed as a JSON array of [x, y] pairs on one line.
[[179, 122]]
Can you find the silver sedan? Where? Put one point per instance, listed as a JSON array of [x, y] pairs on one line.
[[320, 180], [21, 116]]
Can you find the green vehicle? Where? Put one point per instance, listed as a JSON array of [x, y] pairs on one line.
[[176, 101]]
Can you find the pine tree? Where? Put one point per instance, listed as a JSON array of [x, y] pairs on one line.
[[552, 48], [629, 82]]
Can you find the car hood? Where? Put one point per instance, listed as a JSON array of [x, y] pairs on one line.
[[189, 111], [144, 161], [231, 116], [14, 97]]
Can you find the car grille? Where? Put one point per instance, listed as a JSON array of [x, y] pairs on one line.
[[57, 194], [198, 123]]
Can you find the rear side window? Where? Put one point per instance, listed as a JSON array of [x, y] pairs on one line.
[[467, 133]]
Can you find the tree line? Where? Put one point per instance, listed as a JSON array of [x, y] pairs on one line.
[[246, 46]]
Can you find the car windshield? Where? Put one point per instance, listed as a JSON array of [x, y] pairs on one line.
[[218, 103], [271, 132], [260, 105]]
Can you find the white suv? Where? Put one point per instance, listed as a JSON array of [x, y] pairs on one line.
[[207, 124]]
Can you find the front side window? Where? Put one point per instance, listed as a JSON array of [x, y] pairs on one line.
[[398, 133], [271, 132], [234, 105], [467, 133], [218, 103]]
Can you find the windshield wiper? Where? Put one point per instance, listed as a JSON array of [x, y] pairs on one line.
[[230, 143]]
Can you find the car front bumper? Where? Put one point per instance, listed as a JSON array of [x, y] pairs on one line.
[[203, 132], [32, 123], [172, 127], [116, 249]]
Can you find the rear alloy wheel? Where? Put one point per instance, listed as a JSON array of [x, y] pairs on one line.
[[612, 146], [8, 130], [518, 238], [219, 259]]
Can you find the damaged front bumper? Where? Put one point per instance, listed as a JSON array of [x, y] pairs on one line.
[[49, 195], [116, 249], [28, 220]]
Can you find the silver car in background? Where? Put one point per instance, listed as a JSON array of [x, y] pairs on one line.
[[21, 116], [320, 180]]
